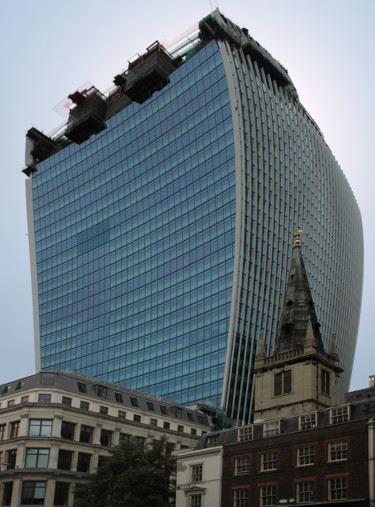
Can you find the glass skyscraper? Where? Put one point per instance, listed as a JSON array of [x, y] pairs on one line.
[[161, 223]]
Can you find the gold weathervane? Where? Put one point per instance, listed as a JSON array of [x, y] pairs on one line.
[[297, 237]]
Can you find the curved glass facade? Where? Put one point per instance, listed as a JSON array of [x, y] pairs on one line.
[[162, 244], [134, 235]]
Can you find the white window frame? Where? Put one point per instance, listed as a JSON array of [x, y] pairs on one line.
[[242, 465], [242, 501], [339, 414], [341, 487], [190, 499], [307, 456], [196, 472], [305, 488], [337, 448], [308, 421], [261, 497], [267, 462], [271, 428], [245, 433]]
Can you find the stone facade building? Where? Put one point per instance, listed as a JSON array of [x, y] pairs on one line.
[[55, 427]]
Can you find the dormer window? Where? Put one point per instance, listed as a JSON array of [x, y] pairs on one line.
[[101, 391], [340, 414], [81, 387], [245, 433], [271, 428]]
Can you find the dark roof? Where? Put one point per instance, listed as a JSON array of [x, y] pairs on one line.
[[298, 309], [74, 382], [362, 406]]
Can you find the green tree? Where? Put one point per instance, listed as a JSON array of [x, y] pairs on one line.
[[134, 475]]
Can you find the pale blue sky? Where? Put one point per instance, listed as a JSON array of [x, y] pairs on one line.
[[48, 49]]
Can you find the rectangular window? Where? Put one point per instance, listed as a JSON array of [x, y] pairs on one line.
[[242, 465], [10, 403], [48, 379], [33, 492], [37, 458], [339, 414], [20, 384], [2, 432], [84, 405], [150, 406], [44, 398], [267, 495], [195, 501], [140, 440], [166, 425], [271, 428], [66, 401], [137, 418], [338, 450], [245, 433], [15, 429], [154, 422], [338, 488], [213, 440], [325, 382], [11, 459], [7, 495], [64, 461], [81, 387], [241, 498], [133, 401], [196, 473], [121, 414], [25, 399], [61, 493], [268, 461], [193, 431], [178, 412], [190, 416], [40, 428], [83, 462], [103, 410], [308, 421], [124, 437], [67, 430], [118, 397], [283, 383], [163, 409], [305, 455], [106, 438], [180, 428], [101, 391], [305, 492], [85, 434]]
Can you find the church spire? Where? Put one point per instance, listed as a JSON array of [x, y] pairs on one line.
[[298, 318]]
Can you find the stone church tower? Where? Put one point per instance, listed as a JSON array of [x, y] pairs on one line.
[[300, 376]]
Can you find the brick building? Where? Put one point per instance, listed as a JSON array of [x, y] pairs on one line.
[[303, 447]]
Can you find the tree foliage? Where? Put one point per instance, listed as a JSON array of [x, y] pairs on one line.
[[134, 475]]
